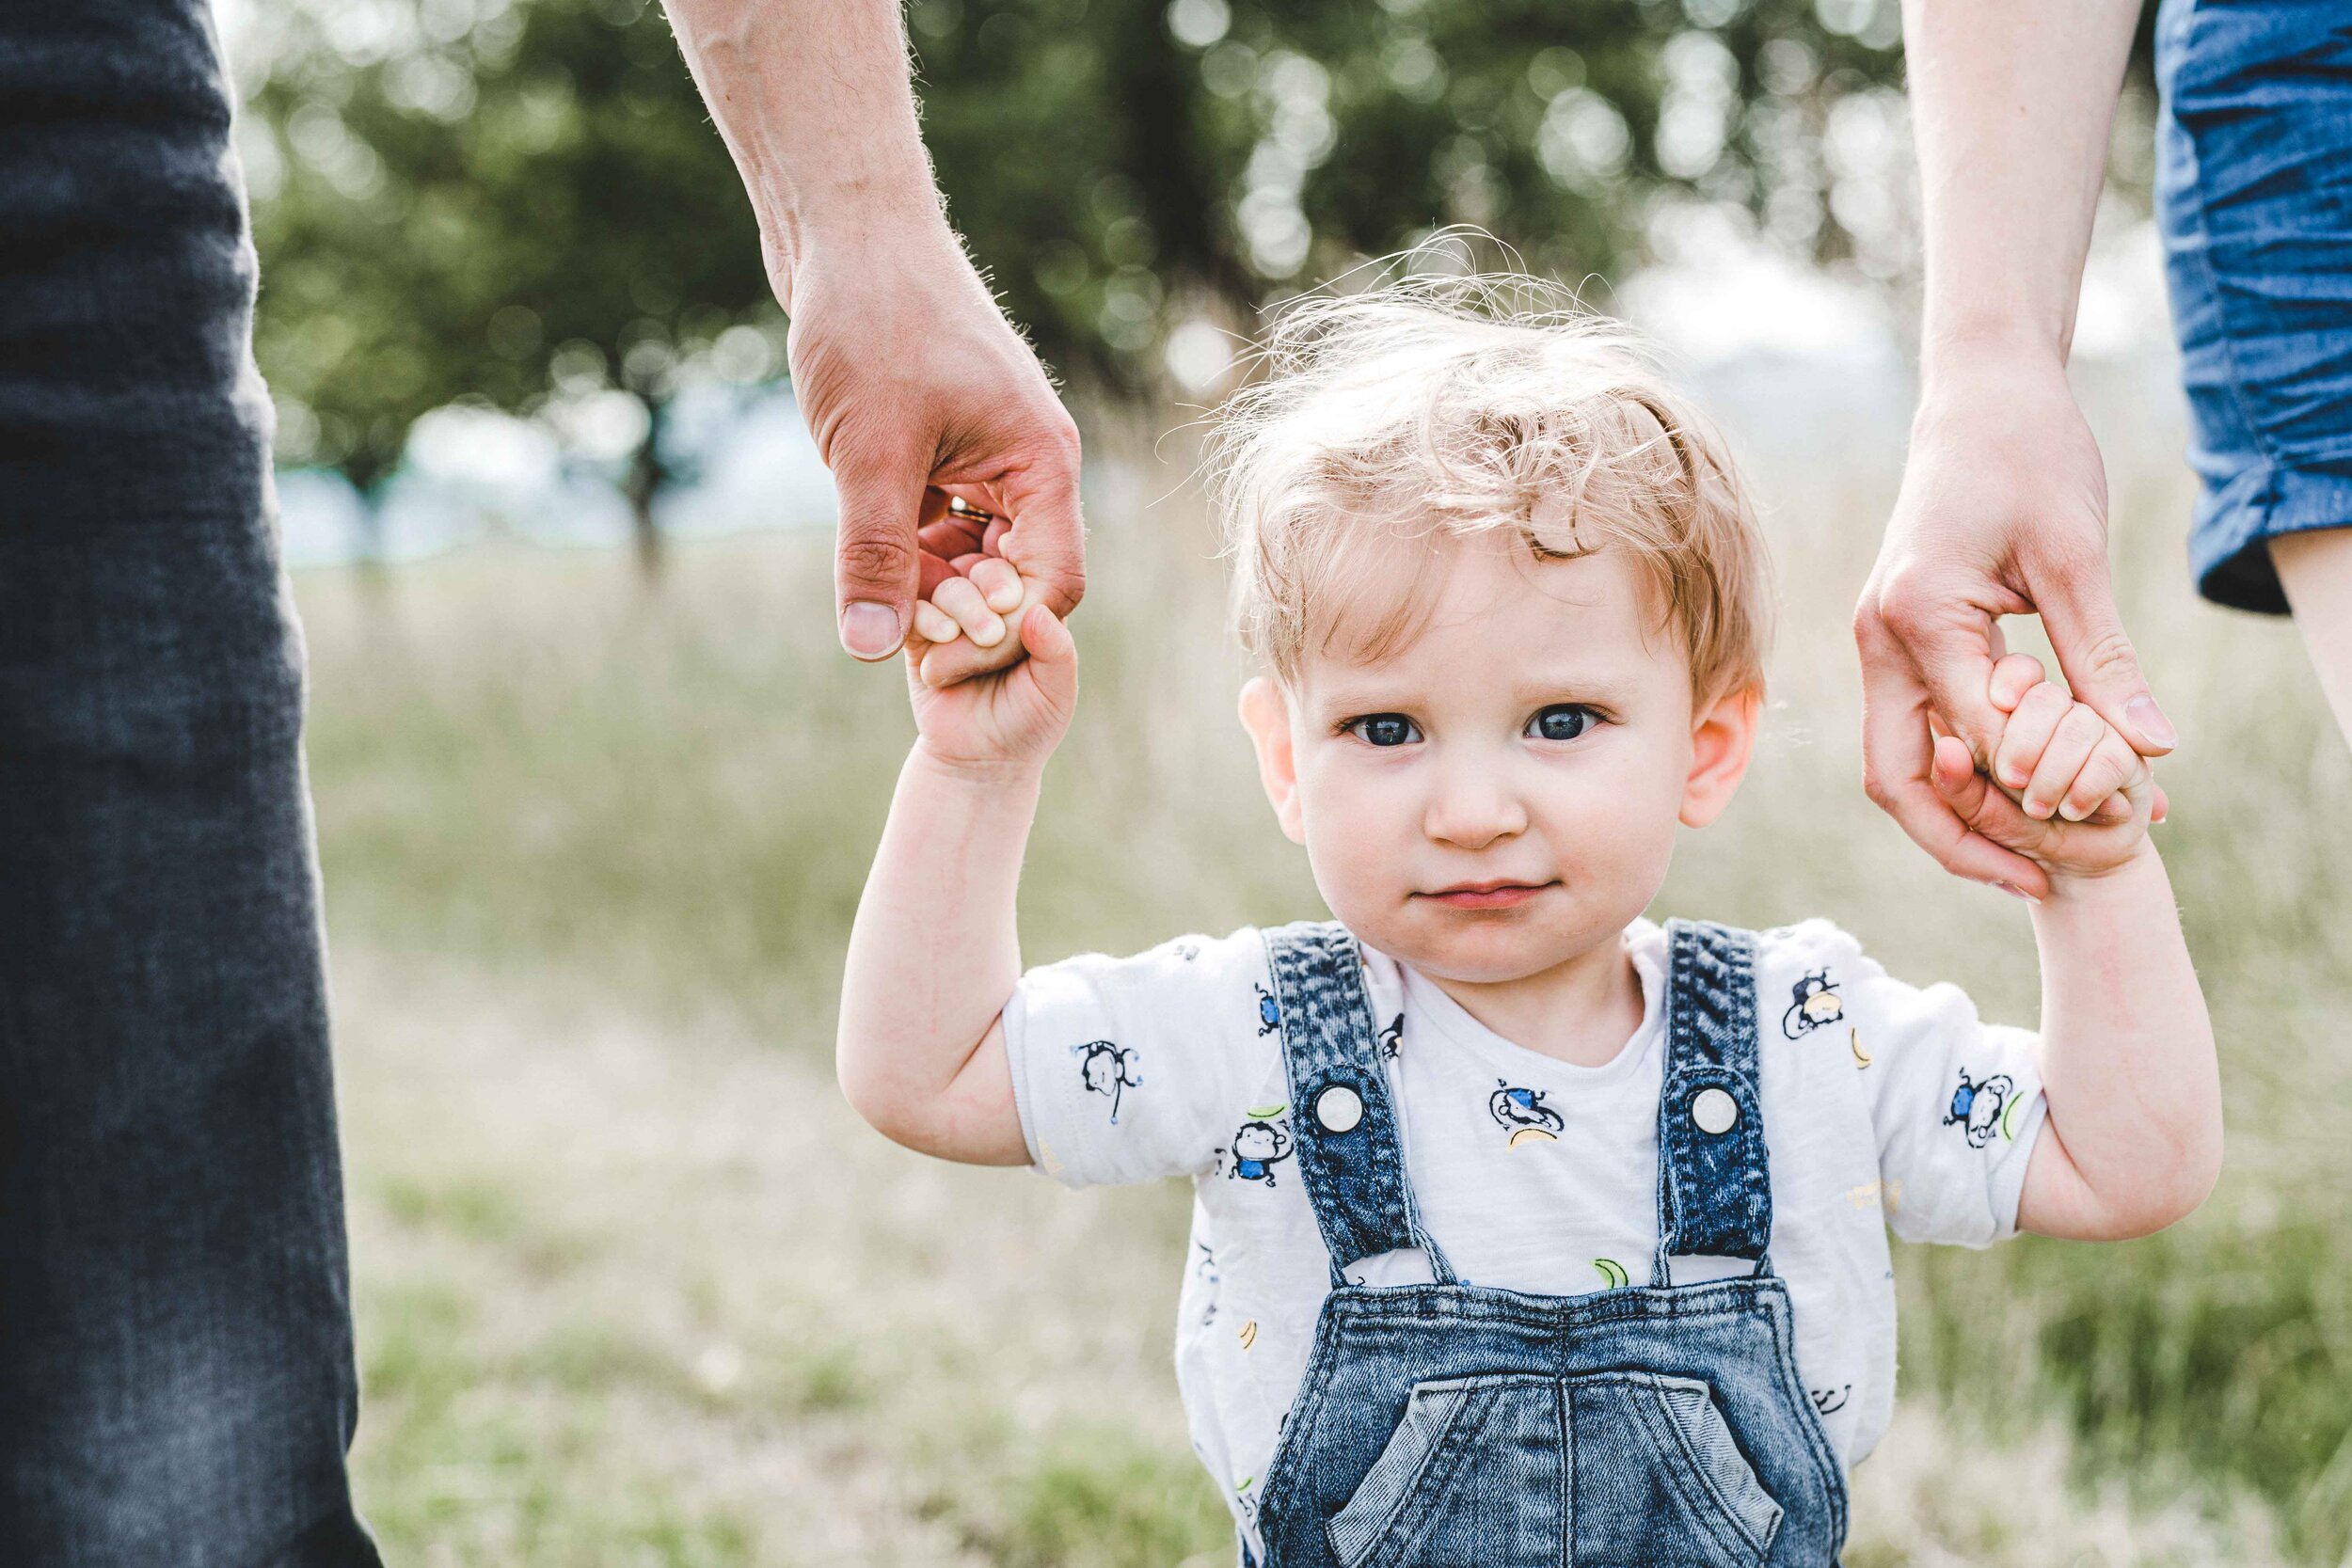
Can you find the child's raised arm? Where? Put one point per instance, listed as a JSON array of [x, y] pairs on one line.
[[934, 954], [2133, 1137]]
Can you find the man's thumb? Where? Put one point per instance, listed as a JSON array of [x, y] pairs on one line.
[[876, 559], [2100, 666]]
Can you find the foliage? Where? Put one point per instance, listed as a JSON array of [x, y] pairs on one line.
[[519, 200], [1120, 162], [510, 204]]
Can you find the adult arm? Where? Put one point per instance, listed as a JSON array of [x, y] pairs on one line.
[[909, 376], [2003, 507]]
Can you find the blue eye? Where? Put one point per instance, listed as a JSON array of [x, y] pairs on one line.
[[1562, 722], [1384, 730]]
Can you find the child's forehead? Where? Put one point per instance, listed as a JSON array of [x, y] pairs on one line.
[[1404, 604]]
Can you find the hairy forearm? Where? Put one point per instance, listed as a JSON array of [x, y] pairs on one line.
[[816, 103], [2134, 1096], [934, 954], [2012, 101]]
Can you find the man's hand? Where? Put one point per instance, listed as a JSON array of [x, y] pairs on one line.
[[913, 383], [2003, 511], [907, 375]]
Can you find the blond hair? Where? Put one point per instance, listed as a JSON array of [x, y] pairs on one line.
[[1453, 406]]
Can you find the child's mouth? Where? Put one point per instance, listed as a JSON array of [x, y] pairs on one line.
[[1487, 896]]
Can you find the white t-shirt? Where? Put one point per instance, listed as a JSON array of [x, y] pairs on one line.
[[1884, 1104]]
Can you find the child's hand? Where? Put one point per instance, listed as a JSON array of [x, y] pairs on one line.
[[2083, 797], [965, 537], [1017, 714]]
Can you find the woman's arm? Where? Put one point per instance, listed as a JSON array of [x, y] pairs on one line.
[[2010, 103], [2003, 510]]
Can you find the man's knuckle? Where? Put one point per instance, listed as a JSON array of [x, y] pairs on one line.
[[876, 557]]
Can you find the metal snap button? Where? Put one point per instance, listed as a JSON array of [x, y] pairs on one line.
[[1713, 1110], [1339, 1108]]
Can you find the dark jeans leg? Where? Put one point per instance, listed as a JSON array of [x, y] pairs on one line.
[[176, 1383]]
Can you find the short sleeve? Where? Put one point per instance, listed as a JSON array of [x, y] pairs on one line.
[[1130, 1070], [1955, 1103]]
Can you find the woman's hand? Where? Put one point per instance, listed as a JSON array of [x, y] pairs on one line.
[[2003, 511]]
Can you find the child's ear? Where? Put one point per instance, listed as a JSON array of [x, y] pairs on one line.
[[1265, 713], [1723, 738]]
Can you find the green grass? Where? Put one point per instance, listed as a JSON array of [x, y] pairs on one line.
[[633, 1289], [1099, 1497]]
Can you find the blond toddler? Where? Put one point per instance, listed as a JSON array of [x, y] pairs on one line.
[[1527, 1232]]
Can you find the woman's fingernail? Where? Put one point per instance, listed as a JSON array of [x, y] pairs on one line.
[[2149, 719], [2016, 892]]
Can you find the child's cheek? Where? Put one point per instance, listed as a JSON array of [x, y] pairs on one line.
[[1360, 834]]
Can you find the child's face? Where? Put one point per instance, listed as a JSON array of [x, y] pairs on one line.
[[1498, 795]]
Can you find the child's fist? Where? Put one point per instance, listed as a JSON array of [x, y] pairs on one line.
[[1014, 714], [2082, 797], [975, 581], [2056, 757]]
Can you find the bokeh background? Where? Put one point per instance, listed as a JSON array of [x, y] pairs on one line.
[[595, 790]]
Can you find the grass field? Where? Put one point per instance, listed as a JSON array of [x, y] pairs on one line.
[[634, 1288]]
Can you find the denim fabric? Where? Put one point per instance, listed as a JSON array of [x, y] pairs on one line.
[[2254, 201], [1714, 1192], [176, 1381], [1323, 1010], [1446, 1424]]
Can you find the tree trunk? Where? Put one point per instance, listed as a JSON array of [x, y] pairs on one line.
[[643, 482]]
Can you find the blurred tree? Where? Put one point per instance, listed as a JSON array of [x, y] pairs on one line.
[[1174, 154], [522, 200], [519, 205]]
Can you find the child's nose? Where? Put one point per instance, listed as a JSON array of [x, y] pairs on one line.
[[1473, 805]]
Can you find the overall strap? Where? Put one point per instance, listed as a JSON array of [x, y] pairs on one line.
[[1342, 1119], [1715, 1190]]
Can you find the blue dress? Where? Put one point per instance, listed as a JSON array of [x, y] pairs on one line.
[[2254, 201]]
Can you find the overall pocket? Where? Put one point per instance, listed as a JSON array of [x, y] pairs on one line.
[[1660, 1479], [1625, 1470]]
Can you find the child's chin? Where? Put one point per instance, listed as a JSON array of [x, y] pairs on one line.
[[1496, 956]]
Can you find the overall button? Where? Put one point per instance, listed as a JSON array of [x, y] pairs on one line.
[[1339, 1108], [1713, 1110]]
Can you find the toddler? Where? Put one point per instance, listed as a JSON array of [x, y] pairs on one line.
[[1526, 1232]]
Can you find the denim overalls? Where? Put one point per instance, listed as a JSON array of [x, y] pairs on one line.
[[1447, 1425]]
